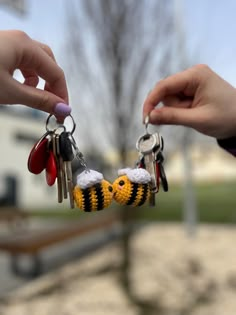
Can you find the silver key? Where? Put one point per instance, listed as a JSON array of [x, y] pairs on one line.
[[59, 175], [148, 146], [61, 169]]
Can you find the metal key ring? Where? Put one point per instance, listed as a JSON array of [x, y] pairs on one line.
[[143, 138], [74, 124], [60, 125], [58, 128]]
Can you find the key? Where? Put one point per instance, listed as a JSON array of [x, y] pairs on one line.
[[61, 168], [146, 145], [67, 155], [55, 150], [149, 145], [159, 160]]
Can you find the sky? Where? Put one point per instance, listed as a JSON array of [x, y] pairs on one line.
[[43, 21], [209, 27]]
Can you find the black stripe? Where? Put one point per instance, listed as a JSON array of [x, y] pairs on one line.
[[144, 196], [100, 196], [87, 200], [134, 189]]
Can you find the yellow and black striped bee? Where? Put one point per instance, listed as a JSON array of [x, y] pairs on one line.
[[92, 192], [132, 187]]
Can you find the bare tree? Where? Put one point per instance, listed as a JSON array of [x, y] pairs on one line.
[[116, 50]]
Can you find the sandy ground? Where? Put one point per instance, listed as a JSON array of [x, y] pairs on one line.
[[171, 275]]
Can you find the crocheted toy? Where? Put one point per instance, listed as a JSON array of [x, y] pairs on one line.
[[92, 192], [132, 187]]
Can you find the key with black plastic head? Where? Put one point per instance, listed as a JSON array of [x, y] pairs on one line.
[[67, 154], [159, 160], [61, 170]]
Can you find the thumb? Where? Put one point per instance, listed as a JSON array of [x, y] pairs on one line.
[[174, 116]]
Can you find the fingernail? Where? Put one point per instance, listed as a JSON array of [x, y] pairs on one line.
[[62, 109]]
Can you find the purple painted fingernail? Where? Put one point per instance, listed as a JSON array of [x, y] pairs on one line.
[[62, 109]]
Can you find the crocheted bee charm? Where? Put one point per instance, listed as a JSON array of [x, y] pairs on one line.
[[132, 187], [92, 192]]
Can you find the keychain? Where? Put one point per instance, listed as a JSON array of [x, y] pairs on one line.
[[136, 186], [150, 148], [56, 149], [54, 153], [132, 187], [92, 192]]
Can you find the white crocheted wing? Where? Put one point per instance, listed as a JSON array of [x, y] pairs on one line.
[[89, 178], [123, 171], [136, 175]]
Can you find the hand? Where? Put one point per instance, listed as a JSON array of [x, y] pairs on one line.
[[197, 98], [34, 60]]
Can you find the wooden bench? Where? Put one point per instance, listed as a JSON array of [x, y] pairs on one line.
[[32, 242], [12, 216]]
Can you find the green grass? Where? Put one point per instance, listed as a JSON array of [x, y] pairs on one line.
[[216, 203]]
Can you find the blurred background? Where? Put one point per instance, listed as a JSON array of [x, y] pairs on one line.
[[175, 258]]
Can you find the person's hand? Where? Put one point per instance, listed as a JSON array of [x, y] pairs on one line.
[[197, 98], [34, 60]]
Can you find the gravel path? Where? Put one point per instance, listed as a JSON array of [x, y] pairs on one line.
[[171, 275]]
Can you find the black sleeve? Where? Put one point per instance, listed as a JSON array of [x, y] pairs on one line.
[[228, 144]]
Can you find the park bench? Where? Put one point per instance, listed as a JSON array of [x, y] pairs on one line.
[[32, 242], [12, 215]]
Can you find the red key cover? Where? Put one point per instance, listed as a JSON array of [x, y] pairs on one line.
[[51, 169], [38, 157]]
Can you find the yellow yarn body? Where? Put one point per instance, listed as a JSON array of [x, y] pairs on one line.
[[94, 198], [129, 193]]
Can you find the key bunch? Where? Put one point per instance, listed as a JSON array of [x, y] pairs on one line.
[[57, 148]]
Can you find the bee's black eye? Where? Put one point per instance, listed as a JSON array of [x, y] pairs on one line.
[[110, 188], [121, 182]]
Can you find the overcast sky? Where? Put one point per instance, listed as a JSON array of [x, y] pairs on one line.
[[210, 28], [209, 25]]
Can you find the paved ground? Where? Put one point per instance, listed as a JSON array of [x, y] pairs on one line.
[[8, 281], [171, 275]]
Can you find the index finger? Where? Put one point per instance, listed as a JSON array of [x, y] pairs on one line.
[[185, 82], [46, 48], [35, 58]]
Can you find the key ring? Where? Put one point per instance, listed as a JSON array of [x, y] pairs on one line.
[[60, 125], [145, 137]]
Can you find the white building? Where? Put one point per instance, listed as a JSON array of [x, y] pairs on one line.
[[20, 129], [211, 164]]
